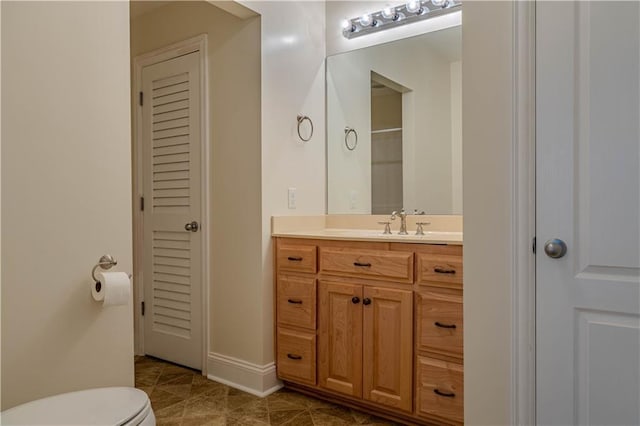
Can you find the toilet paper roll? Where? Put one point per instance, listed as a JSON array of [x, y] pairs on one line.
[[114, 288]]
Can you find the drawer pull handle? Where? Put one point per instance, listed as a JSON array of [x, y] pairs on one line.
[[366, 301], [439, 324], [366, 265], [295, 258], [445, 394], [439, 270], [294, 356], [355, 300], [295, 301]]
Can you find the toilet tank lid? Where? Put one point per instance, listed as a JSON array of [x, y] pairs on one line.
[[112, 406]]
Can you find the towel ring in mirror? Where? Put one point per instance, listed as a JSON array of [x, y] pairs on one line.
[[349, 131], [301, 119]]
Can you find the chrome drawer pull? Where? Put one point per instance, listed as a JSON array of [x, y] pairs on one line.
[[295, 301], [294, 258], [439, 324], [445, 394], [439, 270], [365, 265], [294, 356]]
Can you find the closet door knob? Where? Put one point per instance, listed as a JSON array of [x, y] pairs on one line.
[[366, 301], [192, 226], [355, 300]]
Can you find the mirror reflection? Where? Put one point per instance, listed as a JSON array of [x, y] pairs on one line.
[[394, 127]]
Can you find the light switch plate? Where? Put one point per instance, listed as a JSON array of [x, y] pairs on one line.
[[292, 198]]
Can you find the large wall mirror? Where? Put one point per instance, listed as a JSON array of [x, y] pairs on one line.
[[394, 126]]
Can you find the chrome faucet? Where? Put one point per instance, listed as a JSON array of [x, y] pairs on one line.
[[403, 221]]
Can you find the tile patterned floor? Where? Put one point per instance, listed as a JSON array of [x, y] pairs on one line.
[[182, 397]]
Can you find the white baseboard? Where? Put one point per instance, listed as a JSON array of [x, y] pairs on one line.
[[258, 380]]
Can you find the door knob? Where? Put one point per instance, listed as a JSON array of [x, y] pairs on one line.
[[555, 248], [366, 301], [192, 226]]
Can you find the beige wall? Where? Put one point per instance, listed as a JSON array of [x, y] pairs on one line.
[[386, 111], [66, 186], [236, 305], [456, 136], [0, 204], [487, 90], [293, 52]]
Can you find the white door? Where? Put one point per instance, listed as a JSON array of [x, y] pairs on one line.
[[588, 180], [172, 146]]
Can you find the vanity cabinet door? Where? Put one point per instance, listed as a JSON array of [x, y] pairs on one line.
[[440, 270], [296, 301], [340, 337], [388, 346], [296, 258], [440, 389], [439, 321], [396, 266], [296, 356]]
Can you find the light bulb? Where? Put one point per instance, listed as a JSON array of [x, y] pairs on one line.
[[413, 6], [388, 13], [366, 20], [348, 26]]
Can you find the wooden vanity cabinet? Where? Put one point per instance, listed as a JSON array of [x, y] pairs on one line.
[[369, 310], [296, 315], [439, 388]]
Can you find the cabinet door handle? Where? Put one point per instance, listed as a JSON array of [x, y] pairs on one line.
[[295, 301], [440, 270], [365, 265], [445, 394], [294, 356], [355, 300], [439, 324], [295, 258], [366, 301]]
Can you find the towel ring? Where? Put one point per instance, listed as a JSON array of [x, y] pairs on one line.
[[347, 131], [301, 119]]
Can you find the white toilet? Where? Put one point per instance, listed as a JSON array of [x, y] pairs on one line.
[[116, 406]]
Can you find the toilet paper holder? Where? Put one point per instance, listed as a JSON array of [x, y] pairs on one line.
[[106, 262]]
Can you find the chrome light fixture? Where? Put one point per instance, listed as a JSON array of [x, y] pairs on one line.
[[390, 17]]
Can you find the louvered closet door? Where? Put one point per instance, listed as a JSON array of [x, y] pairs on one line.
[[172, 254]]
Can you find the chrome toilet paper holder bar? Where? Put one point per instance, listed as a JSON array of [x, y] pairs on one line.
[[106, 262]]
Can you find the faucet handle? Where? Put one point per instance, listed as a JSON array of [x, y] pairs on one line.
[[420, 231], [387, 227]]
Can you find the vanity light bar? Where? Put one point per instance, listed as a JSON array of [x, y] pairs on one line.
[[391, 17]]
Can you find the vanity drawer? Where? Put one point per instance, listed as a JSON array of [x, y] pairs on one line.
[[373, 264], [296, 356], [439, 269], [297, 301], [297, 258], [440, 325], [439, 389]]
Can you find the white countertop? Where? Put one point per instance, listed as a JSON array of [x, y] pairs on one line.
[[439, 229], [429, 237]]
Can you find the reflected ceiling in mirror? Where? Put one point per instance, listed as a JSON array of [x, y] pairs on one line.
[[402, 102]]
